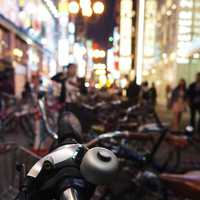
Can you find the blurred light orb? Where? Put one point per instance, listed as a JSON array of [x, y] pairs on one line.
[[74, 7], [98, 7], [87, 12]]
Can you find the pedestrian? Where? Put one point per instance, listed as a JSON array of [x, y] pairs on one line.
[[193, 95], [153, 95], [72, 85], [178, 104], [133, 92], [26, 93], [168, 91], [144, 93]]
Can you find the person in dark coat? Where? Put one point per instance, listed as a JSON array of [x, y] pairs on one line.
[[133, 92], [153, 94], [193, 95]]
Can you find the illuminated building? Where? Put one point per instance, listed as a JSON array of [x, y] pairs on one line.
[[124, 45], [28, 44], [176, 44]]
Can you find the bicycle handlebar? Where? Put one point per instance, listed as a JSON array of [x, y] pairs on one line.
[[69, 194], [120, 134]]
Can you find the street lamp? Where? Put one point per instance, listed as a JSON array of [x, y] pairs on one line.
[[98, 7], [74, 7]]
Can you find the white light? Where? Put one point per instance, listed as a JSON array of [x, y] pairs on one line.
[[164, 55], [44, 41], [71, 27], [123, 83], [185, 15], [139, 54], [125, 58], [99, 53], [196, 55], [169, 13], [182, 60], [98, 7], [63, 52], [87, 84], [186, 4], [73, 7]]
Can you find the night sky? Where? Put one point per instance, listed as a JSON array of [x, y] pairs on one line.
[[100, 29]]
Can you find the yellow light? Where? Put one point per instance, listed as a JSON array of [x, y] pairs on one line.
[[63, 6], [99, 53], [172, 56], [174, 6], [73, 7], [97, 86], [102, 79], [153, 71], [18, 52], [100, 66], [169, 13], [100, 72], [145, 73], [87, 12], [98, 7]]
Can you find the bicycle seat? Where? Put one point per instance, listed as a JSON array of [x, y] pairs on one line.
[[185, 185], [178, 141]]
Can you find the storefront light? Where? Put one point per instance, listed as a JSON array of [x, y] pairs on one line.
[[185, 15], [140, 42], [196, 56], [184, 37], [100, 72], [99, 53], [71, 27], [100, 66], [18, 52], [185, 22], [180, 60], [186, 3]]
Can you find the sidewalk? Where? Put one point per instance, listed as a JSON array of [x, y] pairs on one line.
[[166, 115]]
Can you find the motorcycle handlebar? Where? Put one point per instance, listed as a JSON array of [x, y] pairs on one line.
[[69, 194]]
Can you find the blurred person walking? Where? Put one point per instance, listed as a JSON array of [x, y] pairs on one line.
[[133, 92], [153, 95], [193, 95], [144, 96], [178, 104], [168, 91]]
